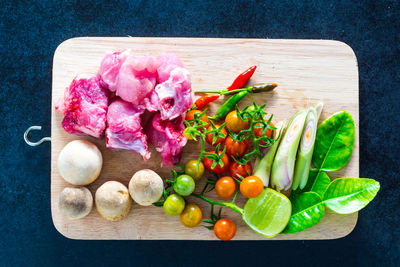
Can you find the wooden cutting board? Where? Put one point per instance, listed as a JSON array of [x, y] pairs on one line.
[[307, 71]]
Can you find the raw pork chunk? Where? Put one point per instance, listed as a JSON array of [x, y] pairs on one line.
[[124, 129], [109, 69], [84, 106], [133, 78], [173, 96], [167, 137], [167, 62]]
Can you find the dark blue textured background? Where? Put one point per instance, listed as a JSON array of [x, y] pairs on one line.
[[30, 31]]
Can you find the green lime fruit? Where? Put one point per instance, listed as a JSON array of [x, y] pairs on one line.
[[268, 214]]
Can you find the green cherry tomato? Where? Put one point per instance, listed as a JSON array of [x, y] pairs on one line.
[[184, 185], [174, 205], [251, 109], [191, 215], [193, 169]]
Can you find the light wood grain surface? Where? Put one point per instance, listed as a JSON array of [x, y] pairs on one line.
[[307, 71]]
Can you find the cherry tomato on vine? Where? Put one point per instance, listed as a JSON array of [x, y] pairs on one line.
[[190, 115], [225, 187], [268, 132], [218, 169], [174, 205], [193, 169], [236, 170], [251, 110], [225, 229], [235, 148], [251, 187], [191, 215], [235, 123], [210, 137], [187, 135], [184, 185]]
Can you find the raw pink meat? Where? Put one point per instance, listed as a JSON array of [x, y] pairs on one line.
[[137, 78], [166, 63], [133, 78], [172, 97], [84, 106], [167, 137], [124, 129], [109, 69]]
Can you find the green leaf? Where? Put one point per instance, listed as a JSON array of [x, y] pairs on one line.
[[307, 210], [334, 142], [348, 195], [321, 182], [310, 181], [318, 181]]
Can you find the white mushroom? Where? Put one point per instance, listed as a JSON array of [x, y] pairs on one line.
[[75, 202], [80, 162], [146, 187], [113, 201]]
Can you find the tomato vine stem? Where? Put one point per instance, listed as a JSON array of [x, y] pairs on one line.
[[230, 205]]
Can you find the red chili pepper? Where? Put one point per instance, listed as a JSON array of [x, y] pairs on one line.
[[204, 100], [242, 79]]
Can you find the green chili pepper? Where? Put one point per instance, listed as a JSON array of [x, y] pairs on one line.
[[228, 105]]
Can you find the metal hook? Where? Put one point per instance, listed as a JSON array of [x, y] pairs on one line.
[[44, 139]]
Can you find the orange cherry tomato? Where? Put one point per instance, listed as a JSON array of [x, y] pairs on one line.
[[235, 148], [225, 229], [268, 132], [218, 169], [225, 187], [234, 123], [190, 115], [191, 215], [209, 137], [236, 170], [251, 187]]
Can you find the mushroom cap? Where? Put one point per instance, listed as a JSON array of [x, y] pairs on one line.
[[75, 202], [80, 162], [113, 201], [146, 187]]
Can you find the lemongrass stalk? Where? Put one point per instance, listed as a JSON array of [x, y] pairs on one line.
[[284, 162], [318, 108], [262, 167], [306, 148]]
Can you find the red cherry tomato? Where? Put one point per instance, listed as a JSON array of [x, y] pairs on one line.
[[237, 169], [210, 137], [235, 148], [218, 169], [258, 131]]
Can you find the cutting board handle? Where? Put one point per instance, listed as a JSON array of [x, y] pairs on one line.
[[44, 139]]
